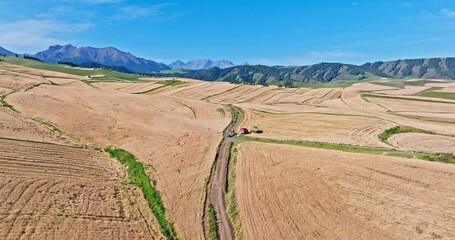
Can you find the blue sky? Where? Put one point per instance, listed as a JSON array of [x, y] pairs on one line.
[[258, 32]]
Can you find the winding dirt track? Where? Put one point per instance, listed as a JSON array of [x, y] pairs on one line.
[[225, 229]]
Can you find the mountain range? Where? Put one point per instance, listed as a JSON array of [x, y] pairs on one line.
[[112, 58], [108, 56], [6, 52], [199, 64], [429, 68]]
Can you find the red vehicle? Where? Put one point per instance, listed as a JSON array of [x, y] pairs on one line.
[[244, 131]]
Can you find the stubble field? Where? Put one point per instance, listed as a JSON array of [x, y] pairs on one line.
[[174, 126]]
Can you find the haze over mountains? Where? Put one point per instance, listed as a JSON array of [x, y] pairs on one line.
[[198, 64]]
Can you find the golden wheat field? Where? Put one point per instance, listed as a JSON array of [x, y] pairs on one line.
[[339, 163]]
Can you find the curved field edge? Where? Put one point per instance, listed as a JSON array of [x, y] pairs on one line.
[[384, 136], [439, 157], [139, 178], [232, 206], [5, 104], [434, 157]]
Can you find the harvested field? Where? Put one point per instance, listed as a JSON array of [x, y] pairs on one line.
[[368, 87], [441, 84], [37, 72], [165, 133], [205, 91], [319, 127], [128, 87], [59, 192], [234, 95], [302, 96], [447, 89], [407, 90], [266, 95], [295, 96], [291, 192], [410, 105], [12, 125], [173, 127], [431, 116], [423, 142], [429, 124], [354, 100], [13, 81]]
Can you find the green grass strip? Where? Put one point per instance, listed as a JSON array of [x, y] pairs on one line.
[[170, 82], [7, 105], [50, 125], [437, 157], [231, 202], [433, 94], [139, 178], [213, 227], [384, 136]]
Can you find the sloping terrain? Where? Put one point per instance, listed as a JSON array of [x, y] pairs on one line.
[[59, 192], [290, 192], [173, 127], [163, 132]]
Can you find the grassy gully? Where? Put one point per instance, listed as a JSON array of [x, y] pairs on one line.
[[139, 178]]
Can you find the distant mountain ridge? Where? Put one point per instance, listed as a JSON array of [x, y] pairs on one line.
[[108, 56], [205, 69], [430, 68], [199, 64], [6, 52]]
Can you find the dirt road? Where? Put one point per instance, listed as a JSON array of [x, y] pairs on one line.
[[225, 229]]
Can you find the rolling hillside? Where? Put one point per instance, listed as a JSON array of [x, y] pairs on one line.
[[432, 68], [429, 68], [260, 74]]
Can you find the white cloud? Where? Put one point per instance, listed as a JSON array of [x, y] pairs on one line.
[[448, 13], [100, 1], [33, 35], [155, 13]]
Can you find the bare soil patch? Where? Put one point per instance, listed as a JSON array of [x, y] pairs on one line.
[[322, 127]]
